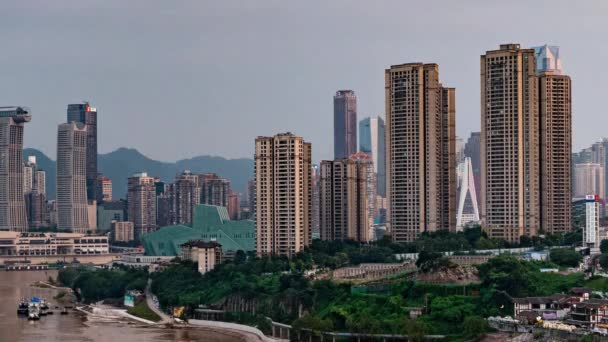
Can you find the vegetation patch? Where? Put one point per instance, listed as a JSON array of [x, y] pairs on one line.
[[142, 310]]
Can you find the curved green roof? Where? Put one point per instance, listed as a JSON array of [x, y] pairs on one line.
[[210, 223]]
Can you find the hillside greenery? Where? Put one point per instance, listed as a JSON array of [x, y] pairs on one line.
[[282, 289], [93, 284]]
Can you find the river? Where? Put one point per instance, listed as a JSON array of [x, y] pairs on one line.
[[76, 326]]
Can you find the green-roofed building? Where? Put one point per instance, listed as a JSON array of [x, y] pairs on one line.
[[210, 223]]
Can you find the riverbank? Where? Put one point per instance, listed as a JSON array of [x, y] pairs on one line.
[[100, 313]]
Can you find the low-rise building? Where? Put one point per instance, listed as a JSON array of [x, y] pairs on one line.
[[589, 313], [206, 254], [35, 244], [123, 231], [554, 307]]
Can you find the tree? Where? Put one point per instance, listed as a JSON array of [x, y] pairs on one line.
[[604, 261], [474, 326], [604, 246], [565, 257]]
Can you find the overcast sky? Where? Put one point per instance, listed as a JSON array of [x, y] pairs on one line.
[[176, 79]]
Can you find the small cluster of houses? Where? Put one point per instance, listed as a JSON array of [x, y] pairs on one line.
[[576, 308]]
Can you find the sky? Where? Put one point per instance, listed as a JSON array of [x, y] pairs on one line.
[[177, 79]]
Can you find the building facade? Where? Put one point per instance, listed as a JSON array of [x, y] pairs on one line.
[[141, 204], [215, 190], [371, 192], [104, 189], [510, 184], [40, 244], [110, 211], [206, 255], [13, 215], [556, 147], [345, 124], [591, 233], [123, 231], [72, 209], [589, 179], [34, 187], [234, 206], [371, 142], [85, 114], [283, 194], [420, 133], [184, 196], [343, 200]]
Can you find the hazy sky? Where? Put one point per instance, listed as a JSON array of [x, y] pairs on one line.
[[176, 79]]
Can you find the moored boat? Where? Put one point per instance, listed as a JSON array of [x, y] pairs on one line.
[[34, 309], [22, 309]]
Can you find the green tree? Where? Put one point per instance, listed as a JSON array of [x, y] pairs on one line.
[[565, 257], [604, 246], [474, 326], [604, 261]]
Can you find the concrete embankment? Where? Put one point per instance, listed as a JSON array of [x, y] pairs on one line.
[[250, 333], [103, 313]]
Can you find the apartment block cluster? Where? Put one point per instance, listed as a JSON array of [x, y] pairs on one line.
[[85, 203], [411, 174], [402, 173]]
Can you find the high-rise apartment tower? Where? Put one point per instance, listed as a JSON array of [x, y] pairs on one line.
[[283, 194], [420, 133]]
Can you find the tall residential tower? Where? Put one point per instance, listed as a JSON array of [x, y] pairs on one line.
[[525, 143], [87, 115], [72, 210], [420, 136], [283, 194], [555, 99], [141, 199]]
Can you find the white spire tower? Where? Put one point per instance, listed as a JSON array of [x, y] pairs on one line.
[[467, 185]]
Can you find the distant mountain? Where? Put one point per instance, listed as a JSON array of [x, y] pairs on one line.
[[122, 163]]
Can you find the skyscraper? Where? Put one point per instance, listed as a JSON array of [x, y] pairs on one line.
[[345, 124], [35, 194], [365, 161], [343, 200], [214, 189], [184, 195], [141, 203], [589, 180], [315, 201], [72, 211], [12, 203], [87, 115], [420, 133], [556, 147], [104, 189], [510, 184], [283, 194], [371, 142]]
